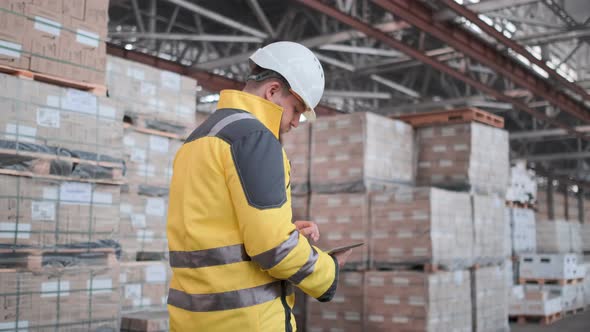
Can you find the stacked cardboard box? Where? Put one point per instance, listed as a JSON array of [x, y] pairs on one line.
[[585, 235], [61, 38], [491, 229], [421, 225], [346, 310], [166, 100], [416, 301], [71, 299], [586, 283], [300, 206], [572, 296], [143, 220], [461, 156], [490, 300], [523, 230], [551, 266], [146, 321], [296, 145], [359, 152], [558, 236], [46, 213], [144, 285], [343, 219]]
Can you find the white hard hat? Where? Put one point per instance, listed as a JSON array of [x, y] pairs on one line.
[[299, 66]]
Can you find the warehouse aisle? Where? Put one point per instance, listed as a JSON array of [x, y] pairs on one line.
[[578, 323]]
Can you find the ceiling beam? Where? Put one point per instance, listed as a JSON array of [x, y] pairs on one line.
[[335, 62], [419, 55], [310, 43], [491, 31], [357, 94], [360, 50], [395, 86], [218, 18], [186, 37], [519, 135], [525, 20], [417, 14], [483, 7], [558, 156], [138, 18], [262, 18], [552, 37]]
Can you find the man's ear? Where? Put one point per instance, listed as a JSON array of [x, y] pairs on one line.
[[271, 89]]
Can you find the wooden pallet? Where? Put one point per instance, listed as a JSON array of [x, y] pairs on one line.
[[520, 205], [424, 267], [59, 177], [145, 124], [540, 281], [142, 256], [463, 115], [96, 89], [543, 320], [34, 259]]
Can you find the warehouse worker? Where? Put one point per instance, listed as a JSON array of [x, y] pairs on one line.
[[234, 251]]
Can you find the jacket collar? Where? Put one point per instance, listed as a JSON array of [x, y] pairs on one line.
[[265, 111]]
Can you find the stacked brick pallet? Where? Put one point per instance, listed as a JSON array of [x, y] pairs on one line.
[[61, 168], [361, 183]]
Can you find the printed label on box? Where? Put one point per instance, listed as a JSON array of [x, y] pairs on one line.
[[147, 89], [102, 198], [99, 286], [159, 144], [79, 101], [48, 117], [43, 211], [155, 273], [155, 207], [47, 25], [8, 230], [75, 192], [170, 80], [138, 155], [53, 288], [138, 220], [87, 38], [20, 132], [11, 50], [133, 291], [53, 101]]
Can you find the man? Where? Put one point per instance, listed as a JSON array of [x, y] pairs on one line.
[[233, 250]]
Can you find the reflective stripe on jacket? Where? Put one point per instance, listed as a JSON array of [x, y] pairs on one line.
[[234, 251]]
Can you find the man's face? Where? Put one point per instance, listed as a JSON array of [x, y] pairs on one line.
[[292, 106]]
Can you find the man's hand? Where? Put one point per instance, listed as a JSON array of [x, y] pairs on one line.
[[309, 229], [342, 257]]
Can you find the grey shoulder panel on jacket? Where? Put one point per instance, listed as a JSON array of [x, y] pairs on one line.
[[257, 155]]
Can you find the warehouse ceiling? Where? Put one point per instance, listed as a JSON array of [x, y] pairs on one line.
[[549, 119]]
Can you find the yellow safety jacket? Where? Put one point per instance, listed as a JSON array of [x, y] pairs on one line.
[[234, 250]]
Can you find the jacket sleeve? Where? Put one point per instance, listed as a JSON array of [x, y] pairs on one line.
[[257, 175]]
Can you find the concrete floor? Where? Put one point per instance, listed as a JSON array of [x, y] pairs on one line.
[[576, 323]]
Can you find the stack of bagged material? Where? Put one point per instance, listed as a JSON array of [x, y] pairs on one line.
[[152, 321], [490, 298], [297, 146], [491, 243], [407, 300], [421, 225], [359, 152], [160, 100], [535, 303], [144, 285], [464, 156], [64, 299], [62, 39]]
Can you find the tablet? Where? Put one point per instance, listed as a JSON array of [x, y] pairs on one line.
[[343, 248]]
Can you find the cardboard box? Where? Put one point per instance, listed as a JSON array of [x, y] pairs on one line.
[[144, 285], [300, 207], [550, 266], [297, 146], [421, 225], [72, 299], [143, 221], [523, 230], [360, 151], [463, 156], [491, 229], [146, 321], [46, 213], [558, 236]]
